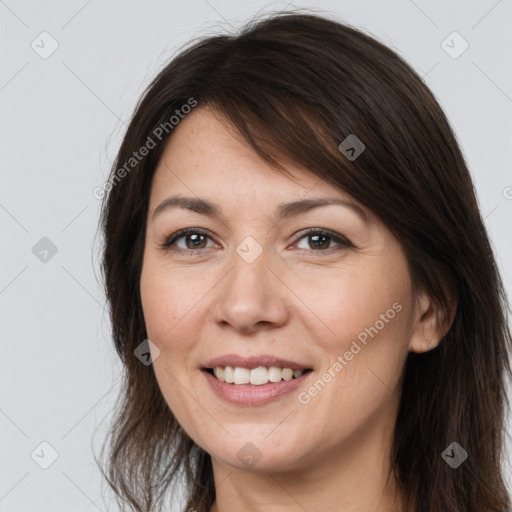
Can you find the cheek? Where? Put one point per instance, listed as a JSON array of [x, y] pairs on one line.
[[360, 327], [169, 302], [353, 303]]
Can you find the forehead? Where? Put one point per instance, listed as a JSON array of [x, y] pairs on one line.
[[205, 147], [206, 156]]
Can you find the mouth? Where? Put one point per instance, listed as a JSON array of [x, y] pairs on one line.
[[256, 380], [258, 376]]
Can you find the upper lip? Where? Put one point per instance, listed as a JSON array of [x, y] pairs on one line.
[[253, 362]]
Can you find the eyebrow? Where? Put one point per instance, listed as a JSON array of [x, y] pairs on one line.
[[283, 211]]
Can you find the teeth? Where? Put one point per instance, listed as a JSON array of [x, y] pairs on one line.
[[242, 375], [256, 376], [274, 374], [219, 373], [259, 376], [287, 374], [229, 374]]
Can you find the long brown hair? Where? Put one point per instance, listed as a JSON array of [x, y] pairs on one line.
[[295, 85]]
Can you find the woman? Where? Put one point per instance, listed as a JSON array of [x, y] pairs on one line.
[[292, 239]]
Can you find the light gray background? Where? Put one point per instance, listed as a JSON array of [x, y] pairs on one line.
[[61, 122]]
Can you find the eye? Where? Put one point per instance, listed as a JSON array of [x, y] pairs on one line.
[[194, 240], [321, 239]]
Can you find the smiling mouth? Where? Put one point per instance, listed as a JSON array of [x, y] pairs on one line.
[[256, 376]]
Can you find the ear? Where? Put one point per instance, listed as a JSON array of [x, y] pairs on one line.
[[430, 323]]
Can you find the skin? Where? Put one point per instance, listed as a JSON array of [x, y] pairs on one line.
[[295, 301]]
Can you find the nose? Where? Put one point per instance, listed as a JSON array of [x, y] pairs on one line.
[[252, 296]]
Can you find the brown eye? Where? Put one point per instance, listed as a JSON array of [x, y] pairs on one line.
[[321, 241], [196, 241], [187, 240]]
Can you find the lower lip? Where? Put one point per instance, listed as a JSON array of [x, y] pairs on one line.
[[249, 394]]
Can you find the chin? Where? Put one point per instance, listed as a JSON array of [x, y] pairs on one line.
[[256, 451]]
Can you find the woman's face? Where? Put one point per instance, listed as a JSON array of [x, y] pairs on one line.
[[250, 286]]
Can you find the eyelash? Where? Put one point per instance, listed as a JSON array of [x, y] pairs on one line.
[[169, 241]]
